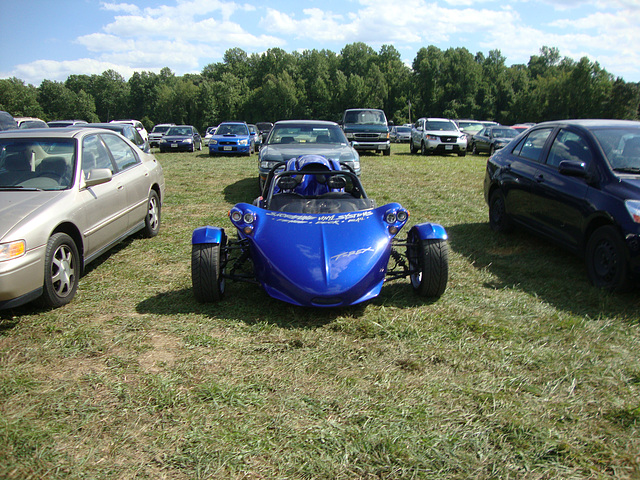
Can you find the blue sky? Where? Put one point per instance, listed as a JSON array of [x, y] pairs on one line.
[[48, 39]]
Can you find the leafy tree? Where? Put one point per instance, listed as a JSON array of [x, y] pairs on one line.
[[19, 99]]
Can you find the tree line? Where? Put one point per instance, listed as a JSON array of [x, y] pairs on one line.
[[320, 84]]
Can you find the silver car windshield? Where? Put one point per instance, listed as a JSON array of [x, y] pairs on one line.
[[304, 134], [40, 164], [621, 147]]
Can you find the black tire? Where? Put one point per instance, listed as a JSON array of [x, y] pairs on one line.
[[606, 259], [492, 150], [499, 220], [152, 219], [200, 146], [423, 149], [386, 152], [412, 148], [206, 272], [474, 149], [61, 270], [462, 154], [430, 259]]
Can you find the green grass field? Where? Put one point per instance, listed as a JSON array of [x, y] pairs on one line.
[[520, 370]]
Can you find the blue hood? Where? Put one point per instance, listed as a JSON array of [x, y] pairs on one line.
[[320, 259]]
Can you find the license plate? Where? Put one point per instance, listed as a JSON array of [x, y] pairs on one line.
[[174, 145], [227, 148], [382, 147], [448, 147]]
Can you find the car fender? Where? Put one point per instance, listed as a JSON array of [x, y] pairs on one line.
[[207, 234], [429, 231]]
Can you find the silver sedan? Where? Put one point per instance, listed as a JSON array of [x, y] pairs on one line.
[[66, 196]]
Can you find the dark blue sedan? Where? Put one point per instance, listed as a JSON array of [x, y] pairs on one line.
[[181, 138], [576, 182]]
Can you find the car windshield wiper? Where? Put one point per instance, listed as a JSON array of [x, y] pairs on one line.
[[627, 169], [20, 187]]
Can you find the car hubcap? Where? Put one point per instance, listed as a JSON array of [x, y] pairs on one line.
[[63, 271], [605, 261], [153, 214]]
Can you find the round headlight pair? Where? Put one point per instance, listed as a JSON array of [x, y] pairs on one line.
[[238, 216], [393, 217]]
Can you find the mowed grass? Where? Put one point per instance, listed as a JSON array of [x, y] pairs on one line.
[[520, 370]]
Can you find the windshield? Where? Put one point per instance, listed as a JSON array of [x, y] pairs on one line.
[[179, 131], [365, 117], [505, 132], [441, 125], [621, 147], [403, 130], [160, 129], [303, 134], [232, 129], [41, 164]]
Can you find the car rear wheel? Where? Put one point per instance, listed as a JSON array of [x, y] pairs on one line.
[[61, 270], [606, 260], [152, 220], [430, 261], [499, 220], [423, 149], [412, 148], [206, 272], [492, 150], [474, 149]]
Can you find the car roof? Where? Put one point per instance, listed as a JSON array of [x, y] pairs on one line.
[[67, 132], [305, 122], [590, 123]]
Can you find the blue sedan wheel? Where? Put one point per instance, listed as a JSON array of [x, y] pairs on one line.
[[606, 260], [206, 272]]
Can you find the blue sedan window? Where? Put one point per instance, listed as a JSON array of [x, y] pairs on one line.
[[531, 146]]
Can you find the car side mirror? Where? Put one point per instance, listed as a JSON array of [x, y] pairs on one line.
[[573, 168], [98, 176]]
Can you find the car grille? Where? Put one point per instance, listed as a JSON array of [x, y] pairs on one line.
[[228, 142], [366, 136], [448, 139]]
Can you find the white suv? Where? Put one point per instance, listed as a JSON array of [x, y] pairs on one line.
[[437, 135]]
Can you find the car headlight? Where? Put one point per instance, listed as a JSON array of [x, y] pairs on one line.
[[213, 142], [349, 135], [188, 140], [267, 164], [12, 250], [384, 136], [432, 137], [396, 219], [244, 141], [163, 140], [633, 207]]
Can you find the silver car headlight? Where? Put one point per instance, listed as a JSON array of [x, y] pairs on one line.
[[244, 141], [188, 140], [12, 250], [213, 142]]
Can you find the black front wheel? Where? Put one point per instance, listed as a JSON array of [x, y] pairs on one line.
[[206, 272], [606, 260], [61, 270], [499, 220], [429, 259], [152, 220]]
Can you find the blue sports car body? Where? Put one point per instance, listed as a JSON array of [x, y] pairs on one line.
[[315, 239]]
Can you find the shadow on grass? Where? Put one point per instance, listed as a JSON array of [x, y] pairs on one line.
[[522, 261], [247, 303], [245, 190]]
